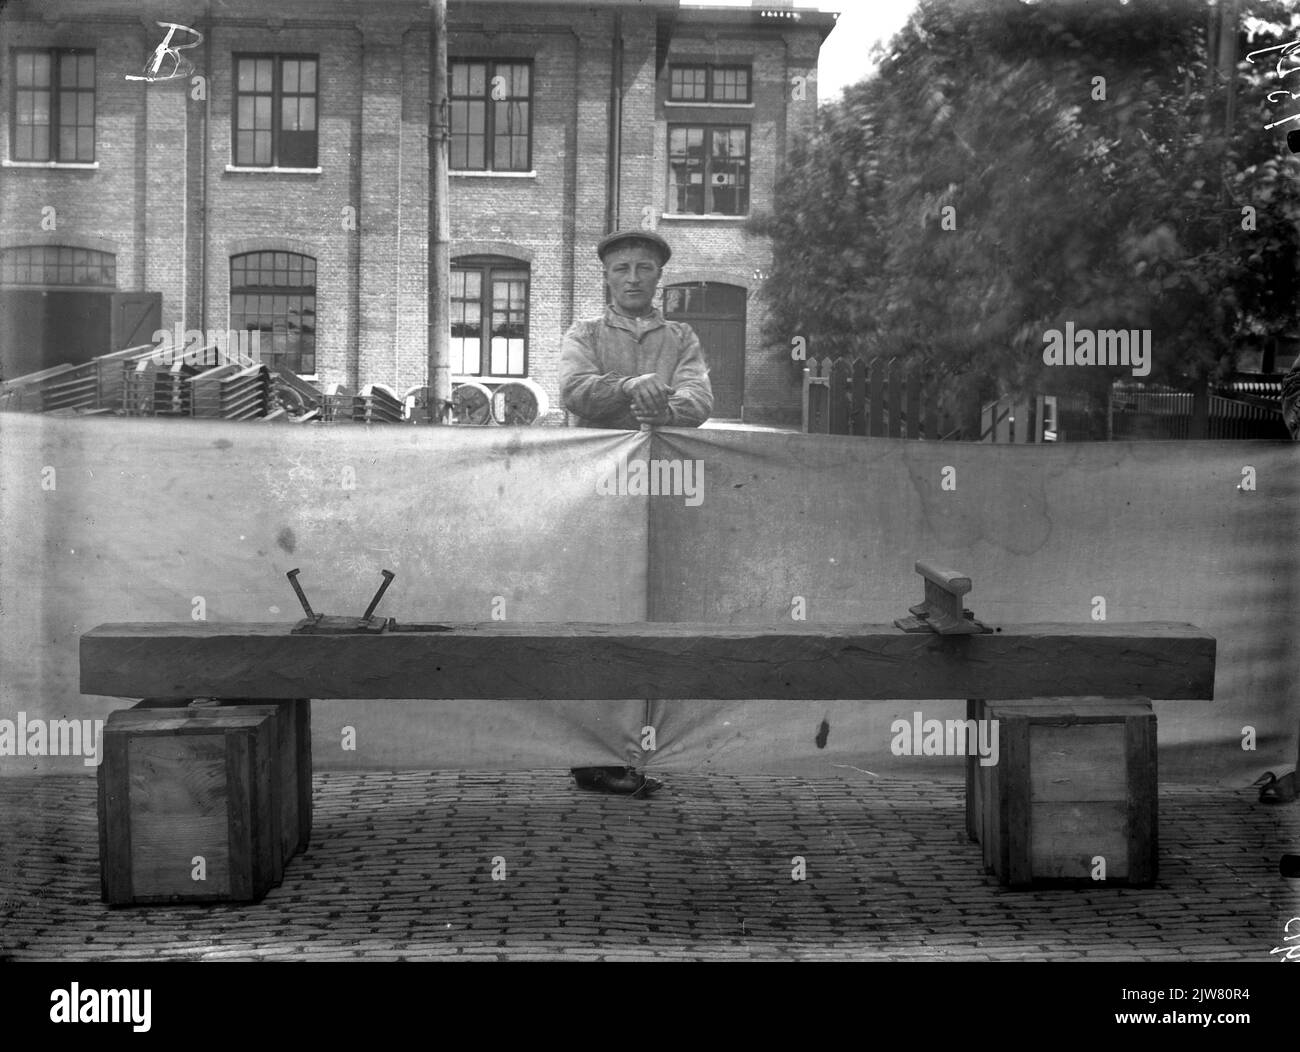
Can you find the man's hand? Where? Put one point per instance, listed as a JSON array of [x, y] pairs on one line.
[[649, 397], [654, 419]]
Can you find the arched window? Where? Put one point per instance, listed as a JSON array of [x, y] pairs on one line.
[[489, 316], [274, 293], [46, 265]]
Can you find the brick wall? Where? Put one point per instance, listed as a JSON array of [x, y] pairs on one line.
[[101, 207], [165, 199]]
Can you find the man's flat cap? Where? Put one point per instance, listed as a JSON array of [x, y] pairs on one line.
[[630, 238]]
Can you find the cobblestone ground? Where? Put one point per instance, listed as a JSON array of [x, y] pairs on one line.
[[400, 867]]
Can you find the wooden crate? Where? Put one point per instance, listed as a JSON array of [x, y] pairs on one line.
[[1076, 779], [173, 786], [293, 769]]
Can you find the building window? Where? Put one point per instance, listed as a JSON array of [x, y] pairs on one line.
[[491, 116], [53, 106], [45, 265], [708, 170], [489, 317], [705, 84], [274, 293], [275, 111]]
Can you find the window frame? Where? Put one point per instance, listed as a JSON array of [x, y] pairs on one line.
[[710, 83], [291, 359], [486, 267], [707, 129], [55, 93], [98, 259], [277, 95], [489, 121]]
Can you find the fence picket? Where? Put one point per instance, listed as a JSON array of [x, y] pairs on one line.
[[877, 382], [839, 374], [858, 399], [913, 400], [895, 411]]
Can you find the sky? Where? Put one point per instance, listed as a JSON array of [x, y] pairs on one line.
[[861, 24]]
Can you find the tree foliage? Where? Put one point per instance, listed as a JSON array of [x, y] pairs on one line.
[[1081, 152]]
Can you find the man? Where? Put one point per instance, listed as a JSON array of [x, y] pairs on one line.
[[631, 368]]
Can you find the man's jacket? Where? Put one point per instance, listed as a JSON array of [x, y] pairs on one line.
[[597, 355]]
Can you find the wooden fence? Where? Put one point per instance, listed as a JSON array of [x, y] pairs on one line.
[[1244, 407], [880, 398], [893, 398]]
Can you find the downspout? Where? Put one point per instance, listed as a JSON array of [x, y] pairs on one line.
[[615, 164], [203, 192]]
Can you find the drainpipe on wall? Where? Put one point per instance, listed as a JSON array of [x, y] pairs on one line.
[[612, 209], [203, 191], [439, 221]]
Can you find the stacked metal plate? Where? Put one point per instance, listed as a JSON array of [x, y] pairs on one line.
[[64, 387], [336, 403], [231, 392], [113, 369], [153, 388], [376, 404]]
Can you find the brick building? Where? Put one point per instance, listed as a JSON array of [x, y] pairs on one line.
[[282, 184]]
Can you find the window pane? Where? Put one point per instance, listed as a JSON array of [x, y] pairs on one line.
[[307, 114], [67, 71], [85, 144], [459, 79], [246, 69], [688, 82], [265, 69], [86, 109], [41, 108], [289, 75], [476, 118], [514, 78], [261, 111], [477, 79], [511, 118], [86, 71], [686, 170], [731, 85]]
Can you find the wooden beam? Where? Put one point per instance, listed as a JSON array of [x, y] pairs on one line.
[[649, 660]]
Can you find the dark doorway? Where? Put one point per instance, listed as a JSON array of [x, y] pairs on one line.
[[717, 314], [42, 328]]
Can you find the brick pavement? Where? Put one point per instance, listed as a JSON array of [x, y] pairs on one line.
[[400, 867]]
